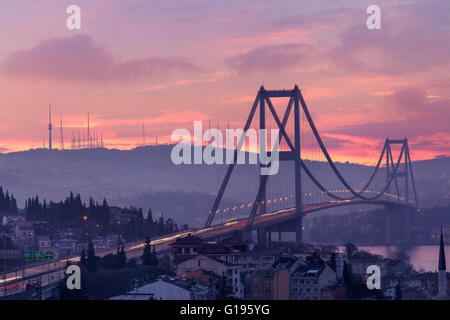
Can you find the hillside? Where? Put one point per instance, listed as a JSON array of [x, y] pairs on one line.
[[136, 176]]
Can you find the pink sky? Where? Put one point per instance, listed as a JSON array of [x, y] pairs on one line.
[[170, 62]]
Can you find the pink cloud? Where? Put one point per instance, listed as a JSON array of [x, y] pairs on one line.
[[414, 38], [273, 58], [289, 35], [424, 121], [78, 58], [238, 100], [202, 78], [315, 93]]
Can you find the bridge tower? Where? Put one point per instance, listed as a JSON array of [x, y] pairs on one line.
[[405, 173], [263, 103]]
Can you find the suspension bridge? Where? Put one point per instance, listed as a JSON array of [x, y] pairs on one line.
[[299, 189], [308, 181]]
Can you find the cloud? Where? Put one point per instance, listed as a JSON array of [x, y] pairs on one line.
[[78, 58], [272, 58], [238, 100], [425, 121], [323, 19], [414, 38], [274, 37], [412, 113], [202, 78]]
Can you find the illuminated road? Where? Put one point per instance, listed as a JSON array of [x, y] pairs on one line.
[[51, 272]]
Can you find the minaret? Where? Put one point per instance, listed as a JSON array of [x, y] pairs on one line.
[[442, 270], [50, 127]]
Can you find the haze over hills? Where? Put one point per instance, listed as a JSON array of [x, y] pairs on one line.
[[146, 177]]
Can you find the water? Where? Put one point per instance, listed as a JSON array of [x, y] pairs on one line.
[[423, 258]]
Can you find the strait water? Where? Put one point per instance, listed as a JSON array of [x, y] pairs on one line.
[[423, 258]]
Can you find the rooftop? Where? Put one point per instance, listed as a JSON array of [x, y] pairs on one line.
[[188, 240], [308, 271]]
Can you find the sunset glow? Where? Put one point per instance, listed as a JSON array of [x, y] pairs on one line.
[[148, 63]]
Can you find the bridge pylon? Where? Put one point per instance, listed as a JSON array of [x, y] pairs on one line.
[[264, 104], [405, 173]]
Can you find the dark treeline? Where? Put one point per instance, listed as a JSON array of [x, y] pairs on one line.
[[68, 213], [95, 219], [7, 202]]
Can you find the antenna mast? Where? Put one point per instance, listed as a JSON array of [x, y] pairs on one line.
[[88, 134], [50, 126], [61, 132], [143, 133]]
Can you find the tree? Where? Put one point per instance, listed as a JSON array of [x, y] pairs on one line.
[[110, 261], [91, 258], [332, 262], [404, 262], [347, 274], [350, 249], [315, 259], [83, 258], [398, 292], [132, 263], [161, 225], [150, 215], [147, 255], [122, 258], [13, 204], [154, 259]]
